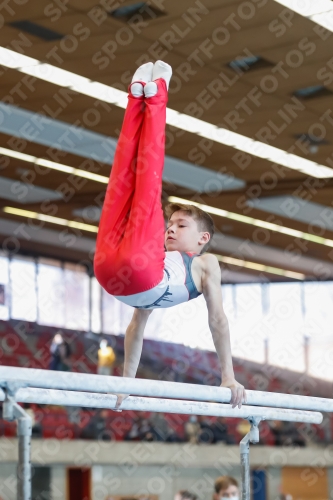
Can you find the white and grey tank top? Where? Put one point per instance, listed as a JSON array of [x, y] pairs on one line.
[[177, 285]]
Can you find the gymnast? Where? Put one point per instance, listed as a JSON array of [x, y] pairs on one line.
[[136, 259]]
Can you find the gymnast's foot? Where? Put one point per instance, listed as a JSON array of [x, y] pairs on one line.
[[120, 399], [143, 74], [161, 70]]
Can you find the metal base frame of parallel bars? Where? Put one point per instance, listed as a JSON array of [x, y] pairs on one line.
[[12, 411], [251, 437], [24, 385]]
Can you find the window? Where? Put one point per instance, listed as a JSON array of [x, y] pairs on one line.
[[318, 298], [248, 330], [285, 326], [23, 289], [76, 281], [185, 323], [116, 315], [228, 298], [58, 295], [96, 311], [4, 287], [51, 293]]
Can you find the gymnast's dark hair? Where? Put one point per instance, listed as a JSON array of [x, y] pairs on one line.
[[202, 218]]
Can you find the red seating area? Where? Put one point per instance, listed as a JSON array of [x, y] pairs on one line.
[[14, 351], [55, 423], [28, 345]]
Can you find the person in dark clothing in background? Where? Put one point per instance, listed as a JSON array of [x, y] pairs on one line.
[[161, 429], [60, 354], [220, 432], [206, 433], [286, 434], [97, 427]]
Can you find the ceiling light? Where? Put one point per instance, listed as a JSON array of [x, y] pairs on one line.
[[54, 75], [260, 267], [51, 219], [14, 60], [307, 8], [17, 155], [182, 121], [55, 166], [101, 148], [100, 91], [255, 222], [94, 229], [319, 11], [325, 20]]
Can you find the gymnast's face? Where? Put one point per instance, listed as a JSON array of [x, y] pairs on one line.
[[183, 235]]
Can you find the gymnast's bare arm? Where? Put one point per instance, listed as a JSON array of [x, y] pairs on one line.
[[134, 341], [218, 325], [133, 345]]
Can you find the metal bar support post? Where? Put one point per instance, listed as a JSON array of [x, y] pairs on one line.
[[12, 411], [253, 437]]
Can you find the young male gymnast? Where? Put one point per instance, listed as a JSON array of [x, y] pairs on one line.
[[130, 260]]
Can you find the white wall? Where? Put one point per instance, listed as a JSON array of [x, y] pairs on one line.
[[7, 481], [273, 476], [162, 480], [58, 487]]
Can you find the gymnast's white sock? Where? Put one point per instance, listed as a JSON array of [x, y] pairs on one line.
[[143, 74], [161, 70]]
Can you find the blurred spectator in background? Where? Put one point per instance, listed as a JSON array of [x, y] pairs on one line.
[[134, 433], [286, 434], [141, 429], [243, 427], [192, 429], [161, 429], [60, 354], [97, 427], [2, 294], [226, 487], [36, 426], [185, 495], [106, 358], [277, 431], [61, 361], [206, 435], [220, 432]]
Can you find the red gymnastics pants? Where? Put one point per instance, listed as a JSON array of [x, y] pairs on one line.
[[130, 253]]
